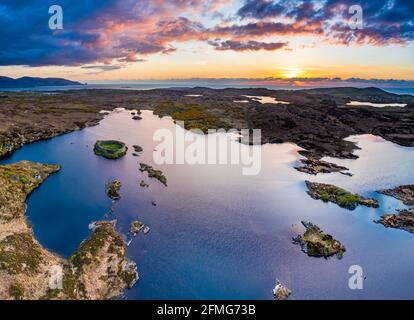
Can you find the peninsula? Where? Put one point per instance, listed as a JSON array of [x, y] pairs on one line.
[[98, 269]]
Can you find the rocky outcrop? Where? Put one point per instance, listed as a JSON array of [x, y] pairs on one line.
[[280, 292], [315, 166], [343, 198], [99, 269], [403, 193], [314, 242], [113, 188], [152, 173], [403, 220], [135, 227], [137, 148]]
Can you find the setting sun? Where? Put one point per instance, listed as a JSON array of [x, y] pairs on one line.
[[292, 73]]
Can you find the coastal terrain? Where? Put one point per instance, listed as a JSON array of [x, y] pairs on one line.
[[316, 120], [98, 269]]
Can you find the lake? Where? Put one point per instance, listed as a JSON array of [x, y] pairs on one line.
[[216, 234], [376, 105]]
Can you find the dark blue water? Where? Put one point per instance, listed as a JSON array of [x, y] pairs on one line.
[[216, 233]]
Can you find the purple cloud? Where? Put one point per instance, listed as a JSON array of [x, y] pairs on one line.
[[247, 45], [105, 31]]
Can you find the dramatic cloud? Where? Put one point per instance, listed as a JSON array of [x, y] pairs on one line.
[[103, 32], [247, 45], [384, 21]]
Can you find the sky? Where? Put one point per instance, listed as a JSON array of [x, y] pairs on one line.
[[104, 40]]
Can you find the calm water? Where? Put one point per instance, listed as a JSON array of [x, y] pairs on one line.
[[218, 234], [376, 105], [214, 84]]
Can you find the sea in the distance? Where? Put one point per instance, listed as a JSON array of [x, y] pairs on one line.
[[213, 84], [216, 234]]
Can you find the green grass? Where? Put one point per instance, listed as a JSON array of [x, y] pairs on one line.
[[343, 198], [16, 291], [20, 254], [316, 243], [194, 116], [110, 149]]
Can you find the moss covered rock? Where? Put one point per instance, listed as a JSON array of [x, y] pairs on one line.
[[110, 149], [135, 227], [316, 243], [343, 198], [113, 188], [152, 173], [137, 148]]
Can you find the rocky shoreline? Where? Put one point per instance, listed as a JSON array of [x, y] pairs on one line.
[[98, 269], [316, 120], [403, 220], [403, 193]]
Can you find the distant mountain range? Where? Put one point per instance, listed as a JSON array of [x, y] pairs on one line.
[[30, 82]]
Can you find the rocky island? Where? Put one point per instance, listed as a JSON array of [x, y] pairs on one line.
[[343, 198], [110, 149], [403, 220], [137, 148], [99, 269], [403, 193], [280, 292], [113, 188], [135, 227], [152, 173], [314, 242], [315, 166]]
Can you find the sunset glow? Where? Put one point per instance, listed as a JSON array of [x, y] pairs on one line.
[[137, 40]]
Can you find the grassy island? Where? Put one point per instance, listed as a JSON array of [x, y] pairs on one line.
[[343, 198], [110, 149], [316, 243]]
